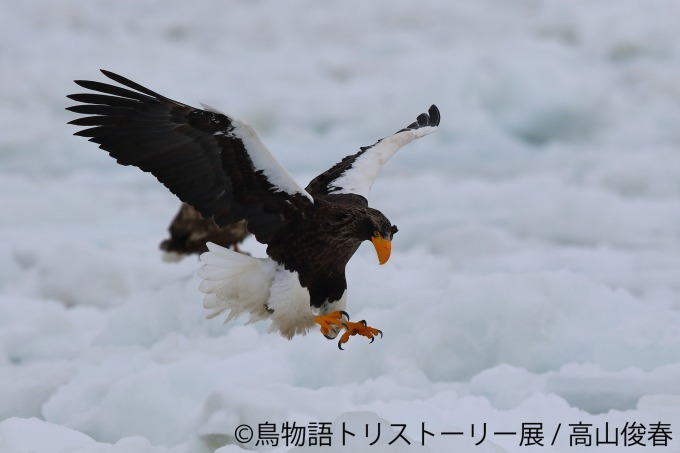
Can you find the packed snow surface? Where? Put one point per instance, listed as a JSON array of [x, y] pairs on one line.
[[534, 282]]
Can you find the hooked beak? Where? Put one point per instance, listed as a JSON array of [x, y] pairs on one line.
[[383, 247]]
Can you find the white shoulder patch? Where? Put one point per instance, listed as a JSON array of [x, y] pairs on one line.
[[264, 160]]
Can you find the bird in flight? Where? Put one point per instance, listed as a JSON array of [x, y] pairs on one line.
[[190, 232], [217, 164]]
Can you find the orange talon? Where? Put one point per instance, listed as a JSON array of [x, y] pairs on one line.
[[358, 328], [331, 322]]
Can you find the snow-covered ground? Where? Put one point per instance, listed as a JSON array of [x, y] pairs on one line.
[[535, 277]]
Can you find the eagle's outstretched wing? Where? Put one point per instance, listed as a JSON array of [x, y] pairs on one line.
[[214, 162], [355, 174]]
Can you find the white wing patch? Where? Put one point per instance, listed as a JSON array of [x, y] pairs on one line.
[[262, 158], [359, 178]]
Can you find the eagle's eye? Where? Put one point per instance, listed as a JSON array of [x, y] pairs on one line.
[[376, 234]]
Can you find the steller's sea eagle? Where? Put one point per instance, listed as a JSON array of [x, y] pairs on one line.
[[190, 232], [217, 164]]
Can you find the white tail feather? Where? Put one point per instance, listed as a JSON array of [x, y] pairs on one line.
[[235, 283], [240, 284]]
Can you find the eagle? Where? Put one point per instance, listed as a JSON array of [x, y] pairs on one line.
[[190, 232], [218, 164]]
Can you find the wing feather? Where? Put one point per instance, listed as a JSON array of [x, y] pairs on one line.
[[356, 173], [214, 162]]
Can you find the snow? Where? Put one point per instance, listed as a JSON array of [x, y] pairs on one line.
[[535, 275]]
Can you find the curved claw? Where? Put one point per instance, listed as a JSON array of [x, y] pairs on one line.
[[345, 314], [330, 323], [352, 328]]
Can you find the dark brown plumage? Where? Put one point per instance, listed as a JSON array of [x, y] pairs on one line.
[[218, 165], [190, 231]]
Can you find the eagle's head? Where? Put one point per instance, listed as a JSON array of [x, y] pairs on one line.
[[379, 230]]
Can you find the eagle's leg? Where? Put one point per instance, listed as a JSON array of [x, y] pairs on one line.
[[331, 323], [358, 328]]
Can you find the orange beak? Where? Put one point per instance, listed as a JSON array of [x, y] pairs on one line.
[[383, 247]]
